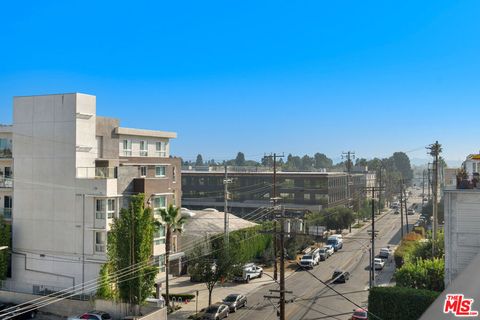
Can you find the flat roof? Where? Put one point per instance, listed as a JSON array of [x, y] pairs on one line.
[[53, 94], [145, 133], [269, 173]]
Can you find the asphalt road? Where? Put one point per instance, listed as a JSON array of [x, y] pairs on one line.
[[312, 299]]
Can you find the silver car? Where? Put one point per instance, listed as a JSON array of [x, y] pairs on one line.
[[235, 301], [216, 312]]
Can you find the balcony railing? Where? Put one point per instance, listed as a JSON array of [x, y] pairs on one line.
[[97, 172], [6, 183], [6, 213]]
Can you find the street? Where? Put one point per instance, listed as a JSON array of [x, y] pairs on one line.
[[310, 299]]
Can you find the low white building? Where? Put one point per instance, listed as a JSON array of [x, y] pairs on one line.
[[472, 165]]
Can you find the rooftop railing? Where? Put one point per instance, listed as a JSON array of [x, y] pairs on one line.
[[97, 172]]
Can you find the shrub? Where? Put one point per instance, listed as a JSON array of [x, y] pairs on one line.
[[403, 252], [399, 303], [422, 274]]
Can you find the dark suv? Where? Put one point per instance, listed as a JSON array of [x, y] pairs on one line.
[[340, 276]]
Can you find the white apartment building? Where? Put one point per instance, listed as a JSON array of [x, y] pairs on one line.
[[74, 171], [472, 165], [6, 173]]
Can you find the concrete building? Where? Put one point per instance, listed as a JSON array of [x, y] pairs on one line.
[[74, 171], [251, 190], [472, 165], [462, 229], [6, 172]]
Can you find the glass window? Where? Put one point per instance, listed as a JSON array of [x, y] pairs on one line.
[[161, 149], [143, 148], [127, 148], [100, 240], [110, 208], [143, 171], [306, 196], [160, 171], [5, 148], [100, 208], [159, 236], [159, 202]]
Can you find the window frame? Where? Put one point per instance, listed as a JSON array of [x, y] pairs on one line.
[[161, 149], [143, 175], [164, 171], [126, 151], [100, 246], [143, 151]]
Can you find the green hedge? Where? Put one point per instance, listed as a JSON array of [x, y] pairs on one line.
[[397, 303]]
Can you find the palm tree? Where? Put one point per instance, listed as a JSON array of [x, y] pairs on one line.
[[173, 222]]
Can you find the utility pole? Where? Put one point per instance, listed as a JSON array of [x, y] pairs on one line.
[[274, 203], [406, 206], [380, 206], [435, 150], [226, 226], [401, 209], [349, 155], [423, 188], [282, 264], [373, 234], [429, 180]]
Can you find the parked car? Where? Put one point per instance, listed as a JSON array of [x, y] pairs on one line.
[[235, 301], [324, 253], [379, 263], [385, 253], [307, 261], [249, 271], [92, 315], [17, 312], [360, 314], [330, 249], [216, 312], [396, 211], [410, 211], [340, 276], [336, 241]]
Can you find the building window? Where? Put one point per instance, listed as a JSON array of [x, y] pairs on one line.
[[5, 148], [159, 202], [100, 241], [110, 208], [127, 148], [8, 172], [160, 262], [143, 148], [288, 183], [143, 171], [306, 196], [174, 173], [160, 171], [161, 149], [100, 209], [159, 236], [7, 206]]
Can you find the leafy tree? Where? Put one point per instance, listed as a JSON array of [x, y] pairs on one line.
[[402, 164], [173, 222], [422, 274], [240, 159], [105, 289], [322, 161], [267, 161], [5, 232], [338, 218], [199, 161], [210, 267], [130, 243]]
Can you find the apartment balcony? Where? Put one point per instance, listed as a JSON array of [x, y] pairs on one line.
[[97, 172], [6, 183], [6, 213]]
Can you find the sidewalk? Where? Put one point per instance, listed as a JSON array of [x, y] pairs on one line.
[[183, 285]]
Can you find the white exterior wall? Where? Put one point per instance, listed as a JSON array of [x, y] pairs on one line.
[[472, 166], [5, 190], [462, 230], [49, 143]]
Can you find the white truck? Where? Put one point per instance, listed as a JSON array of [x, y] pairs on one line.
[[249, 271], [311, 259]]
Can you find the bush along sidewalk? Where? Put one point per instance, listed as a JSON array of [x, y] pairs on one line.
[[398, 303]]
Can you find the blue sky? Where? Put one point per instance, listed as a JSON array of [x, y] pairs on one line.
[[259, 76]]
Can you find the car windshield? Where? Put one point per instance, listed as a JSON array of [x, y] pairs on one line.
[[378, 260], [306, 257], [322, 250], [337, 273], [231, 298], [212, 309], [360, 314]]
